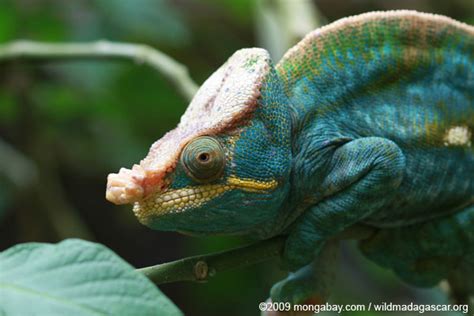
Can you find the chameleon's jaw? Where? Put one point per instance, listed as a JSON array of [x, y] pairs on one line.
[[180, 200], [176, 201]]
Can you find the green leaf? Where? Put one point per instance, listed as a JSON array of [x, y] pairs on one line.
[[75, 277]]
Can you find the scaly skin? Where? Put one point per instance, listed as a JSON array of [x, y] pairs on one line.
[[367, 120]]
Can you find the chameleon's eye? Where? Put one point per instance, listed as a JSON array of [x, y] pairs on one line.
[[203, 159]]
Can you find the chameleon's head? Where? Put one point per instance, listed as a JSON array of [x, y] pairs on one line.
[[225, 167]]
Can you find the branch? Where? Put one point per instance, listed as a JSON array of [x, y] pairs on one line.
[[176, 73], [200, 268]]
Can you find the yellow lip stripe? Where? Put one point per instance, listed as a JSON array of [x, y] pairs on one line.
[[176, 201], [252, 185]]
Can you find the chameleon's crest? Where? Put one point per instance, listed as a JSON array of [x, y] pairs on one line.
[[398, 40], [227, 98]]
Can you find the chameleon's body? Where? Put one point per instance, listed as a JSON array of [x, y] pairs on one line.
[[367, 120]]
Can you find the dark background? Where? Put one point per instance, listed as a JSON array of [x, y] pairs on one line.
[[65, 125]]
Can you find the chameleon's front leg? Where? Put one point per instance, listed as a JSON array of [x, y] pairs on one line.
[[364, 175], [312, 283]]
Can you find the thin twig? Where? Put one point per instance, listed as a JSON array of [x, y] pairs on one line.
[[200, 268], [176, 73]]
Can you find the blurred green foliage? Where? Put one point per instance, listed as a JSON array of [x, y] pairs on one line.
[[74, 122], [75, 277]]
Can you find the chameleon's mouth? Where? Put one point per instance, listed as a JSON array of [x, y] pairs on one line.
[[180, 200]]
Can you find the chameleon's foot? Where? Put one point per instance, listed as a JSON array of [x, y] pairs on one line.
[[310, 284], [303, 286]]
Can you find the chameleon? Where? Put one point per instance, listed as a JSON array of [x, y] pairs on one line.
[[368, 121]]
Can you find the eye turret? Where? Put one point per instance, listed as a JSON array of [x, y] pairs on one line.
[[203, 159]]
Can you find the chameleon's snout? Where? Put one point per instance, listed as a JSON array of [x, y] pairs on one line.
[[126, 186]]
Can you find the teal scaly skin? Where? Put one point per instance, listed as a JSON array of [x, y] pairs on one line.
[[368, 120]]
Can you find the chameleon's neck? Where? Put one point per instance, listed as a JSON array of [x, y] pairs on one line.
[[315, 137]]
